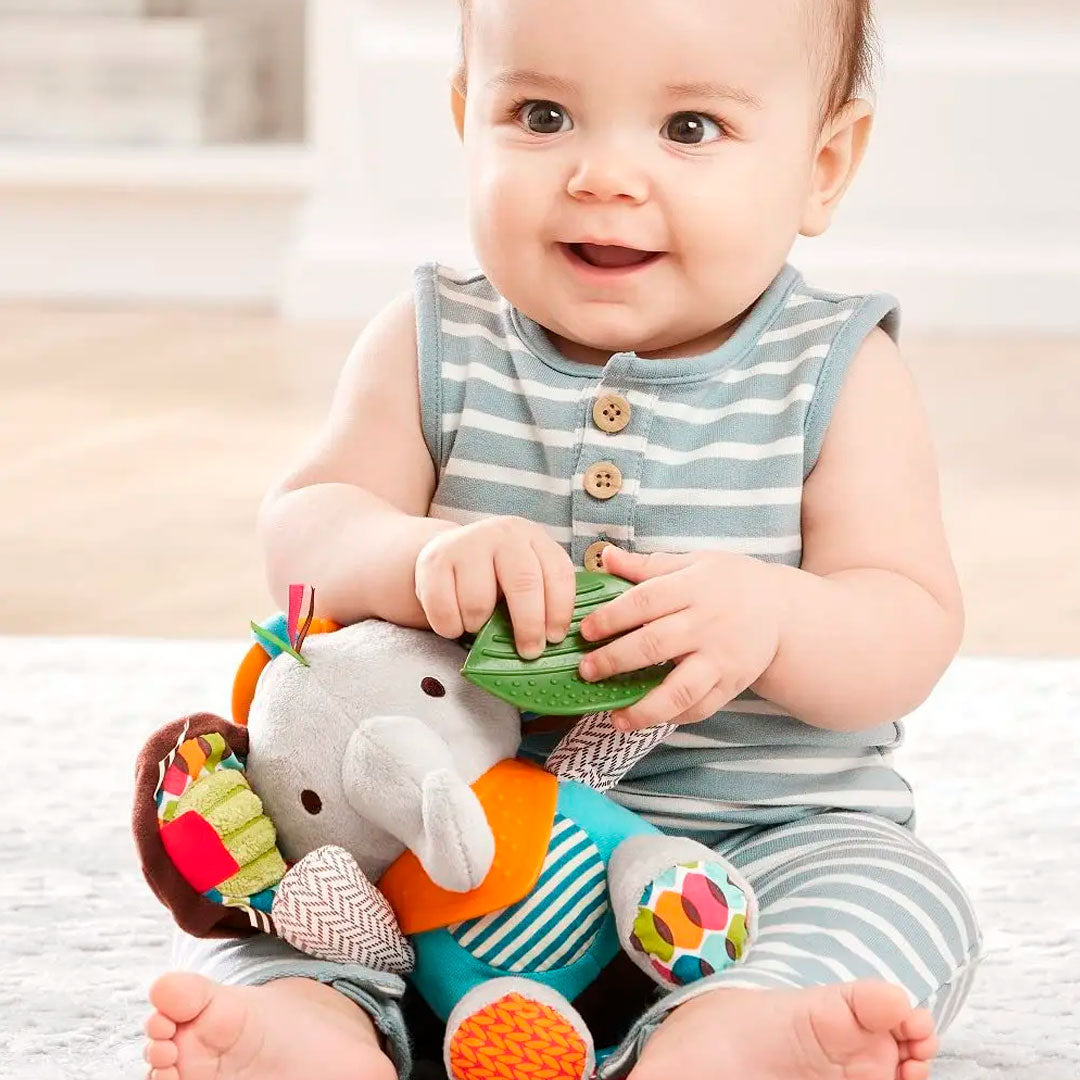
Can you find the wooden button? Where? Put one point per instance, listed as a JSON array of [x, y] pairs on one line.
[[592, 555], [611, 412], [603, 480]]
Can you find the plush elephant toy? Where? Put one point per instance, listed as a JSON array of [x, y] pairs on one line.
[[373, 810]]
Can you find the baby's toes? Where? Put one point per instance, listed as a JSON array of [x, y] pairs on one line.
[[908, 1070], [165, 1074], [918, 1024], [158, 1026], [919, 1049], [161, 1053]]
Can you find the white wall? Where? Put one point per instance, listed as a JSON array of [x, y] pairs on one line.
[[383, 199], [280, 23]]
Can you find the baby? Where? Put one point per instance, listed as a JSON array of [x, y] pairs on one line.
[[636, 381]]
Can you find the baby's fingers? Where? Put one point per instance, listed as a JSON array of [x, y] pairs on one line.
[[719, 696], [560, 590], [677, 695], [437, 592], [521, 577], [477, 592], [654, 643]]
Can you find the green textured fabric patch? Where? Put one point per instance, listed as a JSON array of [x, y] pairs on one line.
[[210, 789], [268, 869], [233, 813], [251, 841], [551, 684]]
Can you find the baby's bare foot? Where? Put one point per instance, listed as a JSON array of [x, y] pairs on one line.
[[203, 1031], [864, 1030]]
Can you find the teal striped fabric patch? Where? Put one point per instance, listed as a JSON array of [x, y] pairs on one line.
[[556, 923]]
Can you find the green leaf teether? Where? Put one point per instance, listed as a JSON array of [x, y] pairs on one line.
[[550, 684]]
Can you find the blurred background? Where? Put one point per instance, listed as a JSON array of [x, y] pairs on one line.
[[202, 201]]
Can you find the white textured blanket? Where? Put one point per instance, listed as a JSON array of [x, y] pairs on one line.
[[994, 757]]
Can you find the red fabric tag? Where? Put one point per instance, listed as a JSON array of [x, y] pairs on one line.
[[296, 598], [197, 851]]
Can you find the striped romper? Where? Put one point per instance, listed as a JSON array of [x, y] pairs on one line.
[[681, 455]]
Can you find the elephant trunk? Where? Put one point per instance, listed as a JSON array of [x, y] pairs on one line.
[[400, 776]]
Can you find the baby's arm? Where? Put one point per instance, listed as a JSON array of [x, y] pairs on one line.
[[874, 615], [349, 518]]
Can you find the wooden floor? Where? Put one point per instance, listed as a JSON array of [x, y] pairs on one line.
[[135, 445]]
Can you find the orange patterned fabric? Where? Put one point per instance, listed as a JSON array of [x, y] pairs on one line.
[[517, 1039], [519, 800]]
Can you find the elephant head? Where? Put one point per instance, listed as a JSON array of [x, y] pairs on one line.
[[373, 747]]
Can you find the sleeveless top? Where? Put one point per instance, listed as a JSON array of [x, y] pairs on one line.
[[714, 455]]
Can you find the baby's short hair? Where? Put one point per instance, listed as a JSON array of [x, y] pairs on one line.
[[847, 39], [844, 38]]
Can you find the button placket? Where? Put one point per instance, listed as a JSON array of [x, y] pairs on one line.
[[594, 508]]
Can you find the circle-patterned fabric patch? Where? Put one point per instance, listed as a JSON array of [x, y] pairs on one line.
[[556, 923], [692, 921]]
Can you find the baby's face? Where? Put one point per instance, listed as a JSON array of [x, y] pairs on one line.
[[682, 129]]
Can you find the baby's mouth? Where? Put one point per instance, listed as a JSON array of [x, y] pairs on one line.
[[612, 256]]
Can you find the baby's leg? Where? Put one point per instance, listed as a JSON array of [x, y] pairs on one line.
[[851, 907], [255, 1008]]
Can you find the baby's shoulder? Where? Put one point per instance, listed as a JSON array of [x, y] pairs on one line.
[[460, 317], [812, 316], [448, 287]]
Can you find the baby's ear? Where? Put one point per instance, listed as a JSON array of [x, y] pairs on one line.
[[457, 107], [840, 151]]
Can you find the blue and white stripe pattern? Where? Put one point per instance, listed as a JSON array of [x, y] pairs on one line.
[[556, 923], [714, 456], [718, 446]]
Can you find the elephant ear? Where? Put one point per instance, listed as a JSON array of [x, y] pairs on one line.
[[206, 849]]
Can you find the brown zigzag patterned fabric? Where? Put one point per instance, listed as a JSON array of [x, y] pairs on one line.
[[595, 753], [327, 908]]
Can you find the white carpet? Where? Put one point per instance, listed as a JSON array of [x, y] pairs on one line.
[[994, 758]]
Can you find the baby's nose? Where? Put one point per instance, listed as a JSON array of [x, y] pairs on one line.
[[608, 178]]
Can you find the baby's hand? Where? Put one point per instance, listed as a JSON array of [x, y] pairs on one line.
[[715, 613], [460, 574]]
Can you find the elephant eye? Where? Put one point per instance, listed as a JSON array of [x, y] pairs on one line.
[[432, 687], [311, 802]]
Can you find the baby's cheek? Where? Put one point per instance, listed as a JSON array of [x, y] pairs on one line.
[[743, 223], [507, 213]]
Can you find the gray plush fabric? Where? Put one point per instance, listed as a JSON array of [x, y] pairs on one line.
[[994, 758], [390, 761]]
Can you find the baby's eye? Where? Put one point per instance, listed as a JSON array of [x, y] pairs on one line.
[[544, 117], [690, 128]]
